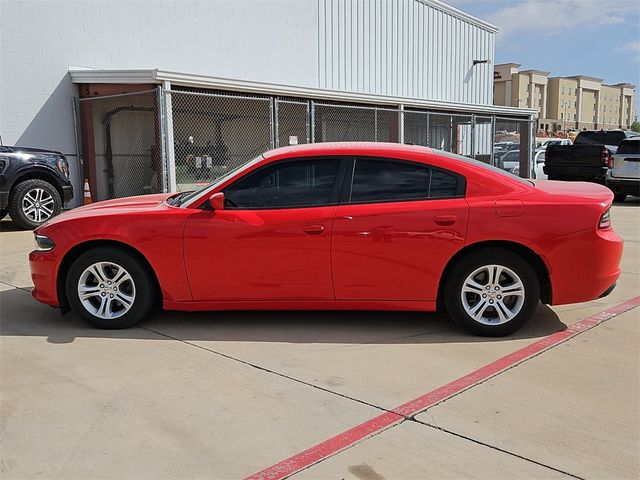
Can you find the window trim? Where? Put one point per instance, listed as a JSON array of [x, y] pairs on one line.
[[347, 186], [334, 198]]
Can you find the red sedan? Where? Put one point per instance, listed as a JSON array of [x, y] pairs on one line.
[[337, 226]]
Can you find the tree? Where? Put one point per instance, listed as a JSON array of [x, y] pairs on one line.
[[635, 126]]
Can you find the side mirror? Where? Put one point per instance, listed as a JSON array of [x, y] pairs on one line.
[[217, 201]]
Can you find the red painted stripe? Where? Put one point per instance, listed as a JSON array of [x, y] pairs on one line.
[[377, 424]]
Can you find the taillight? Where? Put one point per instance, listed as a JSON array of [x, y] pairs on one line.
[[605, 219], [607, 158]]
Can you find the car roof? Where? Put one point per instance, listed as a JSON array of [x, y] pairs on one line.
[[346, 148]]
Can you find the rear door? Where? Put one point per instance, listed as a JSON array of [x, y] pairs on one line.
[[399, 224], [272, 239]]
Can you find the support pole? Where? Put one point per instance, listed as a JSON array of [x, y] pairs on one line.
[[169, 144]]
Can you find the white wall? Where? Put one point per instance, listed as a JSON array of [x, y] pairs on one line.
[[405, 48], [418, 51]]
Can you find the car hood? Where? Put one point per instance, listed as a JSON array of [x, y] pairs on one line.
[[111, 207], [581, 190]]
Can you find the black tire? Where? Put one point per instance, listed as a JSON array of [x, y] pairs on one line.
[[470, 263], [619, 197], [17, 199], [142, 279]]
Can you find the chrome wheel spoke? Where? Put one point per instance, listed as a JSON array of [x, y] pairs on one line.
[[98, 272], [124, 299], [471, 286], [478, 309], [513, 289], [88, 291], [121, 277], [496, 271]]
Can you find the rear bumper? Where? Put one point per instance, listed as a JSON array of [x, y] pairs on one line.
[[624, 185], [587, 268]]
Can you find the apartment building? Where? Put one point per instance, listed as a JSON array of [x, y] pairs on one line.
[[574, 102]]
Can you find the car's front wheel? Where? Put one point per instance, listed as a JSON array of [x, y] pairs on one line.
[[33, 202], [110, 288], [492, 292]]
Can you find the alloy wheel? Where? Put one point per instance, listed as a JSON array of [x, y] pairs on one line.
[[106, 290], [38, 205], [493, 294]]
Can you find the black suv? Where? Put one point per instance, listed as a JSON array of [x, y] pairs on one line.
[[34, 185]]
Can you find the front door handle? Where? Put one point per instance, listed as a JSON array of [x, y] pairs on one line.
[[313, 229], [445, 219]]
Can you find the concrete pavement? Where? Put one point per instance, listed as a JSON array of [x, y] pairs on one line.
[[223, 395]]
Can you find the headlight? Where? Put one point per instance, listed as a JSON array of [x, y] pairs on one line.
[[44, 244], [63, 166]]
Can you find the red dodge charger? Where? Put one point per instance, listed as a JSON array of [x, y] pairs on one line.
[[337, 226]]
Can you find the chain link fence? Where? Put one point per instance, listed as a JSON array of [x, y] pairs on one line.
[[215, 133], [178, 140], [126, 137]]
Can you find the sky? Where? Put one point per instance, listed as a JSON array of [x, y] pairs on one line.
[[600, 38]]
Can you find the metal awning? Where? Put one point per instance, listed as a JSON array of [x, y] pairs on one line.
[[157, 76]]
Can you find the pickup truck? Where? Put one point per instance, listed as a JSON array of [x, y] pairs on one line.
[[34, 185], [588, 159]]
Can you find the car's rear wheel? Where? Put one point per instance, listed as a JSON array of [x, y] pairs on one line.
[[110, 288], [492, 292], [33, 202]]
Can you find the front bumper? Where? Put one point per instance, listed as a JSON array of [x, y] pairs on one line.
[[43, 267]]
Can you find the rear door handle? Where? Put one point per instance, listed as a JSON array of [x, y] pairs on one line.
[[445, 219], [313, 229]]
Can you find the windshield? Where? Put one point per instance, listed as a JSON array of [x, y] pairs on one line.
[[187, 198]]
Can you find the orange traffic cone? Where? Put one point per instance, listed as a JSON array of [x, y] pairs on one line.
[[87, 192]]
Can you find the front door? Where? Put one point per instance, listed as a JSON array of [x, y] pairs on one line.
[[400, 224], [271, 241]]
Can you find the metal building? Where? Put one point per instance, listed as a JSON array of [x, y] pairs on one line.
[[163, 96]]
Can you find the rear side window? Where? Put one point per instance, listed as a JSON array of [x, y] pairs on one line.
[[629, 147], [304, 183], [386, 181]]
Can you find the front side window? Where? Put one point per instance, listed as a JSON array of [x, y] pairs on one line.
[[386, 181], [303, 183]]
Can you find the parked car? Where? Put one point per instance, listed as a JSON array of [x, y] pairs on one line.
[[501, 148], [34, 185], [554, 141], [588, 159], [337, 226], [538, 160], [624, 177], [510, 161]]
